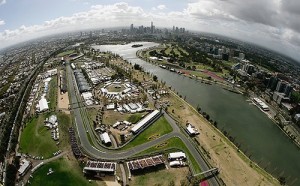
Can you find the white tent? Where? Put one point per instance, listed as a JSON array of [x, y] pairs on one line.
[[176, 155], [43, 105], [52, 119], [105, 138]]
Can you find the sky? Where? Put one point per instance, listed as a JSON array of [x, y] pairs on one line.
[[271, 23]]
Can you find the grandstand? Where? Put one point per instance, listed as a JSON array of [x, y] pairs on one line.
[[149, 119], [100, 167], [144, 163]]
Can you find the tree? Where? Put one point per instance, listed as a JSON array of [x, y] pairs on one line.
[[282, 180], [295, 97], [137, 67], [171, 183], [155, 78]]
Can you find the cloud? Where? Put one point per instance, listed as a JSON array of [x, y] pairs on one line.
[[272, 23], [161, 7], [291, 6], [2, 2], [2, 22], [97, 16]]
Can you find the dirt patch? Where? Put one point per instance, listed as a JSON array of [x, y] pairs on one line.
[[110, 117], [109, 181], [63, 102], [153, 137]]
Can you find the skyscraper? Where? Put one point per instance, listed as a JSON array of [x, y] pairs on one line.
[[131, 28], [272, 84], [152, 28], [281, 86], [241, 56]]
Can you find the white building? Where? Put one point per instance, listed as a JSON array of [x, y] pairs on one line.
[[43, 105], [24, 166], [50, 73], [105, 138], [190, 130], [88, 98], [176, 163], [241, 56], [145, 121], [176, 155], [297, 117]]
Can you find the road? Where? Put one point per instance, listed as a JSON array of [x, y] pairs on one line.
[[101, 153]]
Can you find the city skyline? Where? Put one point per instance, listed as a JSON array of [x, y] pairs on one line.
[[273, 24]]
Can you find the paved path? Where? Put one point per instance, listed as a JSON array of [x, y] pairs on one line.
[[97, 151]]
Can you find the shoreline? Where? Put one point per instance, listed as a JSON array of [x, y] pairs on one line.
[[221, 85], [244, 157], [275, 122]]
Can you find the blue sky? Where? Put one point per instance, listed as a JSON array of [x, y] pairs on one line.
[[272, 23], [16, 13]]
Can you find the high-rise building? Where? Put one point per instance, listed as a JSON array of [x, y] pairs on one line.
[[272, 83], [225, 56], [241, 56], [288, 90], [220, 51], [248, 68], [131, 28], [152, 28], [281, 86]]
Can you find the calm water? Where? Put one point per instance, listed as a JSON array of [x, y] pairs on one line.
[[256, 133]]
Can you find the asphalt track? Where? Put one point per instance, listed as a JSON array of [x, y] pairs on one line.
[[97, 151]]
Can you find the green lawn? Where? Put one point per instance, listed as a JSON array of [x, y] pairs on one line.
[[4, 88], [159, 128], [65, 173], [135, 118], [36, 139], [52, 93], [159, 177], [174, 143], [115, 88], [68, 52], [65, 123]]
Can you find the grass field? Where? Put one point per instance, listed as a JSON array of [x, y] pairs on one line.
[[68, 52], [159, 128], [52, 94], [174, 143], [115, 88], [160, 177], [134, 118], [111, 117], [65, 173], [64, 124], [36, 139]]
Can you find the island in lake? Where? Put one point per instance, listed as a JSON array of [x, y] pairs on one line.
[[136, 45]]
